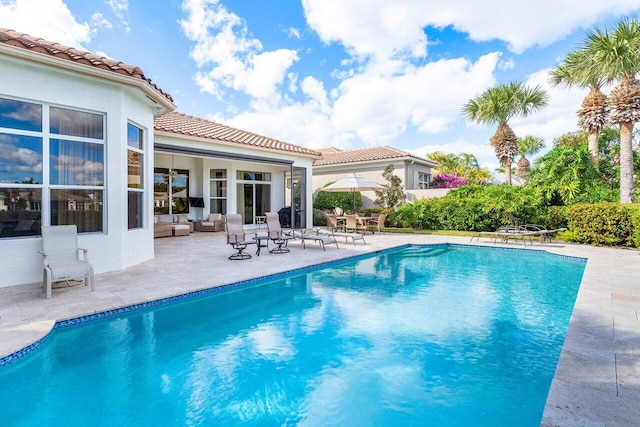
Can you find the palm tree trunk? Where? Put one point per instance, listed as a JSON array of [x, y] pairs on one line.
[[507, 172], [626, 163], [594, 148]]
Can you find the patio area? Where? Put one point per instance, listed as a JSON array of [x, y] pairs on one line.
[[597, 380]]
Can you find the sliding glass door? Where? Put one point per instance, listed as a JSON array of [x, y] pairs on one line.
[[254, 195]]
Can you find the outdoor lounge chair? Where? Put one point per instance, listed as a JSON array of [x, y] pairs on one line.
[[236, 236], [346, 234], [312, 235], [516, 232], [276, 235], [61, 258]]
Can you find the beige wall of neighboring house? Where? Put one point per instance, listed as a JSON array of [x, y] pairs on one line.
[[370, 163]]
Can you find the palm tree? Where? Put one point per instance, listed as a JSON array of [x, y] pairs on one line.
[[593, 114], [616, 56], [498, 105], [527, 145]]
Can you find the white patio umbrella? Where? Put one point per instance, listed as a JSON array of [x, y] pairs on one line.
[[353, 183]]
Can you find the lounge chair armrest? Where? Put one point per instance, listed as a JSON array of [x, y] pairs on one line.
[[85, 253]]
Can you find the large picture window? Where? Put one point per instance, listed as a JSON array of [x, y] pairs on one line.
[[135, 181], [170, 191], [70, 178]]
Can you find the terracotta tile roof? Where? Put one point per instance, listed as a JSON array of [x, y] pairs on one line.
[[184, 124], [24, 41], [334, 156]]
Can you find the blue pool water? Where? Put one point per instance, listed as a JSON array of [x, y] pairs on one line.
[[422, 335]]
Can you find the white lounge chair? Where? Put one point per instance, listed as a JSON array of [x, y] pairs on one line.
[[61, 257], [312, 235]]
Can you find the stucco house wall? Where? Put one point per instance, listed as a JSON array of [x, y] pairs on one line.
[[369, 163], [117, 247], [50, 75]]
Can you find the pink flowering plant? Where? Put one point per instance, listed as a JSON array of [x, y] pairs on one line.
[[447, 180]]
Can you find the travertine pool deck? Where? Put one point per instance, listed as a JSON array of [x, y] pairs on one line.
[[597, 380]]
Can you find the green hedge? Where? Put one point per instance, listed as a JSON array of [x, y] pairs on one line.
[[608, 224], [473, 208]]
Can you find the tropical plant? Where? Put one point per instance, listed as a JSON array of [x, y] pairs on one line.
[[448, 181], [464, 165], [593, 114], [498, 105], [393, 193], [616, 56], [565, 175], [527, 145]]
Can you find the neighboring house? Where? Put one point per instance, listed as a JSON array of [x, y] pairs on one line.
[[90, 141], [336, 164]]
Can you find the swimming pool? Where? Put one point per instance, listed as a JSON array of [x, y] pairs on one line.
[[421, 335]]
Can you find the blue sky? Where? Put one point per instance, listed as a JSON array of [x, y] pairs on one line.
[[341, 73]]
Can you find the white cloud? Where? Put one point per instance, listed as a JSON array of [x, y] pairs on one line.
[[380, 28], [49, 19], [236, 60], [99, 22], [120, 8], [294, 33], [378, 108], [558, 117], [373, 108]]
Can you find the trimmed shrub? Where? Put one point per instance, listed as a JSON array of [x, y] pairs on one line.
[[473, 208], [608, 224]]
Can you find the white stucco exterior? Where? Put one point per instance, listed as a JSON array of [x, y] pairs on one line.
[[54, 82], [117, 247]]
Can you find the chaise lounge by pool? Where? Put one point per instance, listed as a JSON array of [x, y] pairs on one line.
[[440, 333]]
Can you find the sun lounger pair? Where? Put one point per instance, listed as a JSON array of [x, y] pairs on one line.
[[307, 234], [524, 233], [346, 234]]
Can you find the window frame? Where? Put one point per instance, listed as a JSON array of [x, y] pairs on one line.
[[422, 184], [140, 190], [45, 187]]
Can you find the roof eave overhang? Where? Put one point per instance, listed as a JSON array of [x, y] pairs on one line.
[[193, 138], [162, 103]]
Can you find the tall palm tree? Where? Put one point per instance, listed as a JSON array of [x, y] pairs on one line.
[[499, 104], [616, 56], [527, 145], [593, 114]]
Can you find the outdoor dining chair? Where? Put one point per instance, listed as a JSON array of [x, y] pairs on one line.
[[276, 235], [236, 236]]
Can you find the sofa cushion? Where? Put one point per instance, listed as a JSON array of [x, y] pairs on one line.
[[165, 218], [181, 219]]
